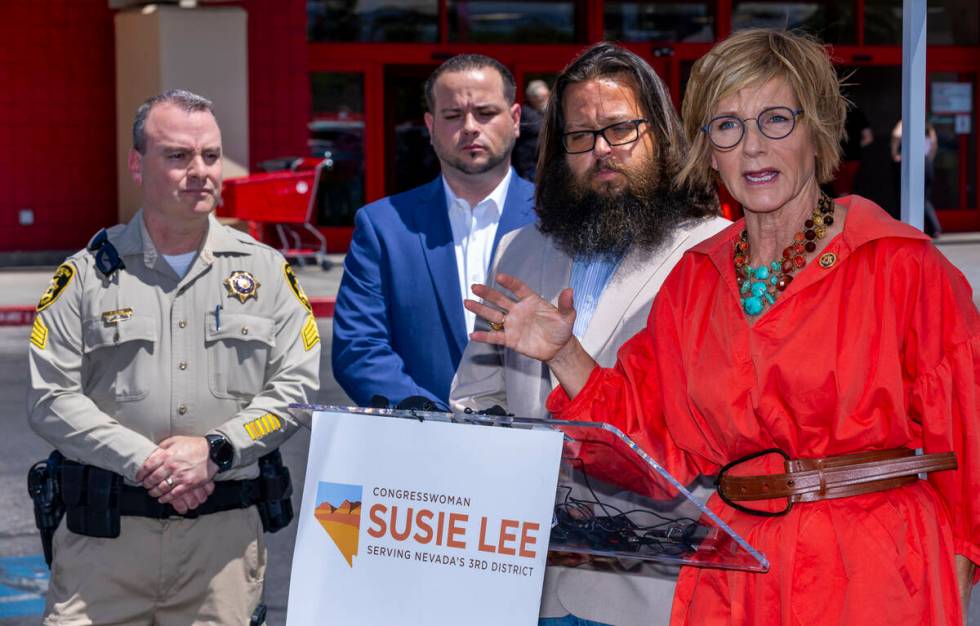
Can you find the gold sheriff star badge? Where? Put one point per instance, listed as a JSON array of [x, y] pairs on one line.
[[242, 285]]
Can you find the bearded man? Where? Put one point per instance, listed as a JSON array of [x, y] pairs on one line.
[[611, 225], [399, 327]]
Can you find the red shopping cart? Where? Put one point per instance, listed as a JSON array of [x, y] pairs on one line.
[[285, 201]]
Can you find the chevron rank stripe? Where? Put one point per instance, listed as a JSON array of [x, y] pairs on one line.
[[39, 333], [310, 334], [262, 426]]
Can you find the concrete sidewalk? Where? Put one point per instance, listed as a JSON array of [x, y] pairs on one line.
[[963, 251]]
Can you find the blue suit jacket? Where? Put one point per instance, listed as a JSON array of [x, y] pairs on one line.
[[398, 327]]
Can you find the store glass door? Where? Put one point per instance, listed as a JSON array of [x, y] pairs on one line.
[[409, 160], [950, 105], [876, 92]]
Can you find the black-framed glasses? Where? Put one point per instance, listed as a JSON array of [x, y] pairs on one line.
[[725, 131], [618, 134]]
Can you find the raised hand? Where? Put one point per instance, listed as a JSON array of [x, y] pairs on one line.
[[526, 323], [535, 328]]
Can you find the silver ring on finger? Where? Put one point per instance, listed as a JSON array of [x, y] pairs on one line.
[[170, 481]]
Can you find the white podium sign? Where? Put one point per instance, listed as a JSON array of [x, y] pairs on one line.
[[422, 522]]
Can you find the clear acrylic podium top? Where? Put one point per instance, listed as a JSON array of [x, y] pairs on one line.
[[616, 508]]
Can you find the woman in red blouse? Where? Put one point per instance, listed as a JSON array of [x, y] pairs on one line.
[[825, 335]]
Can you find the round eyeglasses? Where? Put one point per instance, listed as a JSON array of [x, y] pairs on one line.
[[725, 131], [618, 134]]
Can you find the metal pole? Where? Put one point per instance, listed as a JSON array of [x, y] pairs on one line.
[[913, 111]]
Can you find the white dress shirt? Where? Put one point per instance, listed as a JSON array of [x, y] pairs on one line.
[[474, 229]]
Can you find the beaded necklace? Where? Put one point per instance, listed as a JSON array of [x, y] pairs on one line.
[[761, 286]]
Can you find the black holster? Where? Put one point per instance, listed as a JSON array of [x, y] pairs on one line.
[[43, 487], [275, 487], [258, 616]]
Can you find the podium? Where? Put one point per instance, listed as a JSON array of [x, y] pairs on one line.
[[443, 514], [614, 500], [615, 503]]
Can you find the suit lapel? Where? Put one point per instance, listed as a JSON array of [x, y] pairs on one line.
[[436, 238], [518, 209]]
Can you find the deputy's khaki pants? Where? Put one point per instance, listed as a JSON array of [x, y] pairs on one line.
[[175, 572]]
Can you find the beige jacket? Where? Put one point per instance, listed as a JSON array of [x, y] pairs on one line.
[[119, 364], [490, 375]]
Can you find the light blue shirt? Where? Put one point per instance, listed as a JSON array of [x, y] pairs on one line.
[[589, 279]]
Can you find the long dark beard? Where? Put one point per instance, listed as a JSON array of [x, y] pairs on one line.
[[585, 223]]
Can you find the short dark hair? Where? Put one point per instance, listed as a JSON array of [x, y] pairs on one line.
[[606, 60], [185, 100], [466, 62]]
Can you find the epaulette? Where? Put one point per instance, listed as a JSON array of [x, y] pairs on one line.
[[107, 258]]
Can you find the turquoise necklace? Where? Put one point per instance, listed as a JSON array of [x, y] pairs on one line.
[[760, 286]]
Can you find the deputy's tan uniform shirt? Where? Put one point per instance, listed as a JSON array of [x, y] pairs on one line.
[[119, 364]]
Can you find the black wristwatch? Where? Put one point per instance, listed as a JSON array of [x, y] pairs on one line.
[[220, 452]]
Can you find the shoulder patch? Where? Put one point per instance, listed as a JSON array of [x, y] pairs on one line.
[[294, 285], [59, 282], [39, 333]]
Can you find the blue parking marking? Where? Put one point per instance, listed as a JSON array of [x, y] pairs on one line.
[[23, 583]]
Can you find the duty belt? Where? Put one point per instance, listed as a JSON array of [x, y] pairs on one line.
[[93, 500], [809, 480], [227, 495], [96, 490]]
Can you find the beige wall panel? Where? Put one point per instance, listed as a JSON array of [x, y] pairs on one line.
[[137, 78], [203, 50]]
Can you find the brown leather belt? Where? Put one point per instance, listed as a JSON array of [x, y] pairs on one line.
[[809, 480]]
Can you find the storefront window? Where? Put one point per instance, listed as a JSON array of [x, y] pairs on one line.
[[883, 22], [659, 21], [410, 160], [487, 21], [951, 114], [337, 134], [831, 21], [373, 20], [948, 22]]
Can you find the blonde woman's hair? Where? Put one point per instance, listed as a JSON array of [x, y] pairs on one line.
[[753, 57]]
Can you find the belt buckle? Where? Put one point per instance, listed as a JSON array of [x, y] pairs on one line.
[[743, 508]]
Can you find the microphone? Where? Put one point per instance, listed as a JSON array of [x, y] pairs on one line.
[[418, 403]]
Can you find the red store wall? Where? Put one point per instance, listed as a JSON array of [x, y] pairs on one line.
[[57, 122], [57, 111], [279, 104]]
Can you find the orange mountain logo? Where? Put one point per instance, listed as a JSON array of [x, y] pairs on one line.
[[338, 510]]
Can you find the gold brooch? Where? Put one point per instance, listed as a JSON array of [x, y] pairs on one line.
[[242, 285], [828, 260]]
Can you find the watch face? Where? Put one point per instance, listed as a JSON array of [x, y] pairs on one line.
[[220, 451]]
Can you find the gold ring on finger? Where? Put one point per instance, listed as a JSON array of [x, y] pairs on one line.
[[498, 326]]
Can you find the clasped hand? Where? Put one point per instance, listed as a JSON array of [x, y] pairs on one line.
[[179, 472]]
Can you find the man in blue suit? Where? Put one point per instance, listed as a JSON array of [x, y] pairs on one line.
[[399, 325]]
